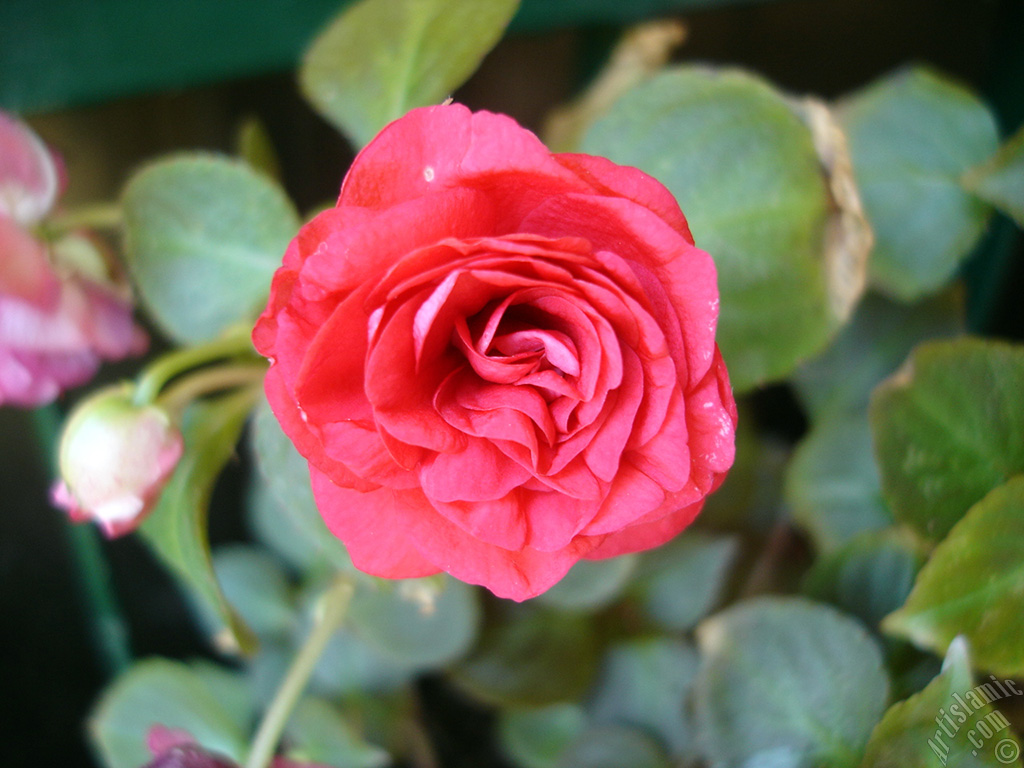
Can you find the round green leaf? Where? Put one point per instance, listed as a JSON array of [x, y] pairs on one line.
[[203, 236], [350, 664], [677, 584], [745, 171], [1000, 181], [870, 576], [537, 737], [613, 747], [283, 511], [257, 586], [873, 345], [426, 623], [938, 727], [381, 58], [267, 668], [253, 144], [318, 733], [912, 136], [644, 684], [832, 484], [161, 692], [948, 428], [532, 657], [789, 680], [974, 585], [229, 686], [591, 584]]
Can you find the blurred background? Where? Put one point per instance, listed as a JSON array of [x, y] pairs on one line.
[[113, 83]]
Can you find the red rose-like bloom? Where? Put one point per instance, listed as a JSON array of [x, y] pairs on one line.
[[498, 360]]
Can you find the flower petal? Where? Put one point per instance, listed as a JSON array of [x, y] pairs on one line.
[[366, 523]]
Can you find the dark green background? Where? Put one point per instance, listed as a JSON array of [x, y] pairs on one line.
[[59, 53]]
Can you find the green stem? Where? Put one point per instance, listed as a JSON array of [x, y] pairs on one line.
[[100, 606], [170, 365], [178, 396], [331, 613], [93, 216], [109, 633]]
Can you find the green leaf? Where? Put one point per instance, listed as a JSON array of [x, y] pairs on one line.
[[613, 747], [318, 733], [283, 511], [350, 664], [948, 428], [229, 686], [381, 58], [677, 584], [644, 683], [591, 584], [534, 656], [870, 576], [426, 623], [161, 692], [912, 136], [745, 171], [203, 236], [384, 718], [254, 145], [832, 484], [176, 529], [787, 682], [537, 737], [944, 725], [1000, 181], [974, 585], [873, 345], [256, 585]]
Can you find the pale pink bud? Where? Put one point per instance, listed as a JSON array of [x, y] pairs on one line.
[[31, 176], [115, 457]]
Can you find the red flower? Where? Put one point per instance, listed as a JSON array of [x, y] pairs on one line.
[[498, 360]]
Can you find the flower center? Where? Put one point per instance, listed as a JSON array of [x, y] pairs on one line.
[[507, 342]]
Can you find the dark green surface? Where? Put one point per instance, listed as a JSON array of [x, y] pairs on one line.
[[59, 53]]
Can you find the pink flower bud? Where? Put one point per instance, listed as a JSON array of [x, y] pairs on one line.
[[115, 457], [31, 176], [60, 315], [175, 748], [61, 312]]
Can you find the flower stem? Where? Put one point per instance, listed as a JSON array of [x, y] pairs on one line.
[[177, 397], [170, 365], [109, 633], [100, 605], [331, 612], [93, 216]]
